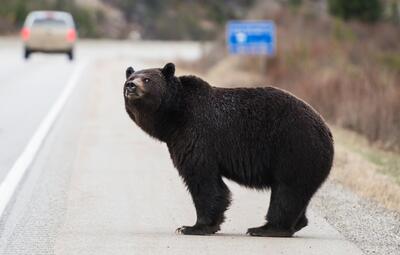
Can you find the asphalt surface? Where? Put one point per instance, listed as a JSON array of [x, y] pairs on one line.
[[99, 185]]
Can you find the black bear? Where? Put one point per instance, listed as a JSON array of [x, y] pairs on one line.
[[258, 137]]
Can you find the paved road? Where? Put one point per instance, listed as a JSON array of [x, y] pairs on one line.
[[98, 184]]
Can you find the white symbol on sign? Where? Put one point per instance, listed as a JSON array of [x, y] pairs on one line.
[[241, 37]]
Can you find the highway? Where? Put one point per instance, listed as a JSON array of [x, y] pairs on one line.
[[96, 184]]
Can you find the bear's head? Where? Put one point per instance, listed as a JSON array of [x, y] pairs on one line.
[[149, 88]]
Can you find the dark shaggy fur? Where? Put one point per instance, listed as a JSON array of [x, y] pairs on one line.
[[258, 137]]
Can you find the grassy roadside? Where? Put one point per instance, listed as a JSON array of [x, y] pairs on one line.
[[367, 170], [386, 162]]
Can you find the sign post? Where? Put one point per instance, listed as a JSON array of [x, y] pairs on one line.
[[257, 38]]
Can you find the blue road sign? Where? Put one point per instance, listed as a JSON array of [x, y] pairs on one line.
[[251, 37]]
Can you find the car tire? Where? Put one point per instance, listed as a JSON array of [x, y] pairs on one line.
[[27, 53], [70, 55]]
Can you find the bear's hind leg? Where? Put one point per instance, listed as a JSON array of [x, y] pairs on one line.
[[211, 198], [286, 213]]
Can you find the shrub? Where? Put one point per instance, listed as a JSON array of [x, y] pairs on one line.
[[364, 10]]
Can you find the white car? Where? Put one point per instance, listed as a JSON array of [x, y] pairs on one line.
[[50, 32]]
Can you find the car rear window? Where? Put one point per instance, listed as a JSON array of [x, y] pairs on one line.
[[49, 22]]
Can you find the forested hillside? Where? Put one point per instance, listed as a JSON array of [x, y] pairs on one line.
[[152, 19], [176, 19]]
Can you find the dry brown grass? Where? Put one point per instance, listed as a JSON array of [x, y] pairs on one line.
[[365, 178]]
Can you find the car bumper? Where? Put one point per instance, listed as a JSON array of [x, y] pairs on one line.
[[49, 47]]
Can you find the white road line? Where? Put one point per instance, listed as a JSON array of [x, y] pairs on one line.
[[16, 173]]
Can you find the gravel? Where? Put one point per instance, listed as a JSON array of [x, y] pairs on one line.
[[374, 229]]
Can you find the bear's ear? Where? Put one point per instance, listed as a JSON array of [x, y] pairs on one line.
[[168, 70], [128, 72]]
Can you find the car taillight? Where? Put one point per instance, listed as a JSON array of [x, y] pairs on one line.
[[71, 35], [25, 33]]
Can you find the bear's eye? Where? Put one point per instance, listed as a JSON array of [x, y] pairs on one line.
[[146, 80]]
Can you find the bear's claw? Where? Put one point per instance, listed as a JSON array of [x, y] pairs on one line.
[[197, 230], [179, 231]]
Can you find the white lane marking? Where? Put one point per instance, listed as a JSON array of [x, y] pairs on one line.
[[16, 173]]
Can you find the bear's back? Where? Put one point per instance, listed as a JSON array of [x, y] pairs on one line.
[[255, 128]]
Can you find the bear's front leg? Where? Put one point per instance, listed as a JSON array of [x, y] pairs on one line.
[[211, 198]]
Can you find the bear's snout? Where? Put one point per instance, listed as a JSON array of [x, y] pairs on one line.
[[131, 86], [134, 89]]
